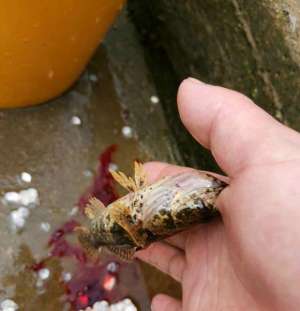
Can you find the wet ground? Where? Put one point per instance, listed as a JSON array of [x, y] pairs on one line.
[[58, 145]]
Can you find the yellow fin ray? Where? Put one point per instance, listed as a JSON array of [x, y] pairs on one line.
[[129, 183], [94, 208], [126, 182], [139, 175]]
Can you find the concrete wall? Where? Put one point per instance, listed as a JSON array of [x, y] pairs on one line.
[[251, 46]]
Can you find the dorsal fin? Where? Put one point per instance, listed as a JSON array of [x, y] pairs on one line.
[[127, 182], [139, 175]]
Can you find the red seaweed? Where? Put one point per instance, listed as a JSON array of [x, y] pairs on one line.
[[91, 282], [36, 267], [67, 228], [86, 287], [103, 186]]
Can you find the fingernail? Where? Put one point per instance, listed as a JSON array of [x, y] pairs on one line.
[[196, 81]]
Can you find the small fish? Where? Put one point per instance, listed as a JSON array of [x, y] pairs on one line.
[[149, 212]]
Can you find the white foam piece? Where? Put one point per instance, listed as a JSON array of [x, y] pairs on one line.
[[8, 305], [18, 217], [11, 197], [26, 177], [154, 99], [45, 226], [44, 274], [127, 131], [29, 196], [101, 306], [67, 276], [75, 120]]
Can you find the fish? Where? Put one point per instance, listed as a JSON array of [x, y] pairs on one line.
[[149, 212]]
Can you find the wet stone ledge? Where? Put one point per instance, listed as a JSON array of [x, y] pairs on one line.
[[249, 46]]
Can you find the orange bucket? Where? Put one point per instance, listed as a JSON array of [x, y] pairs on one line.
[[45, 45]]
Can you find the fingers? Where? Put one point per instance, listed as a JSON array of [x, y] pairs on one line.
[[237, 131], [166, 258], [178, 240], [165, 303]]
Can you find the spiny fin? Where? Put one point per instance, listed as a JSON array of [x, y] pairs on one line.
[[122, 216], [84, 240], [139, 175], [123, 253], [126, 182], [94, 208]]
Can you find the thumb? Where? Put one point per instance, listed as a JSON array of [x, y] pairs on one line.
[[237, 132], [165, 303]]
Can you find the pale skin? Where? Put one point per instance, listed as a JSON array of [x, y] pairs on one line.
[[249, 260]]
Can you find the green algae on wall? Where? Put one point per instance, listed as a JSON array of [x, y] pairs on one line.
[[250, 46]]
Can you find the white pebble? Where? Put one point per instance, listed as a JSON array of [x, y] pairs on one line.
[[124, 305], [127, 132], [23, 211], [76, 120], [45, 226], [8, 305], [17, 221], [130, 308], [101, 306], [44, 274], [93, 78], [29, 196], [18, 217], [11, 197], [154, 99], [26, 177]]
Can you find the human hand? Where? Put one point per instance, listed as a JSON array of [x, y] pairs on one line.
[[249, 260]]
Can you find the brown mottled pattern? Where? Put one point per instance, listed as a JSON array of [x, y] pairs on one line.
[[165, 194], [154, 212]]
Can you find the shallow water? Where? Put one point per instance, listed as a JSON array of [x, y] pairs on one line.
[[58, 144]]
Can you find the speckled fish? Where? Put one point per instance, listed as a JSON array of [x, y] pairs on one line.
[[150, 212]]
